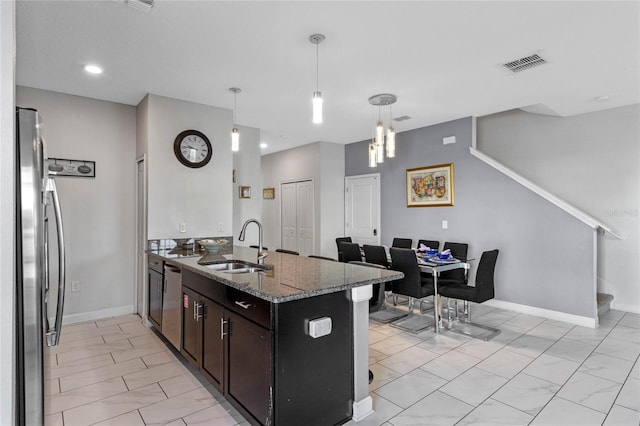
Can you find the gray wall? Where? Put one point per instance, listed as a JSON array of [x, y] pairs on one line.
[[246, 163], [546, 255], [591, 161]]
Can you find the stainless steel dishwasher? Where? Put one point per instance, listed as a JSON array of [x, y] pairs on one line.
[[171, 305]]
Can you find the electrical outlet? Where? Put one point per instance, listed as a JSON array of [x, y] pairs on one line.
[[220, 227], [75, 285], [182, 227]]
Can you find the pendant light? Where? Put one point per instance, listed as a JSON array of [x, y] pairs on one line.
[[378, 142], [235, 135], [316, 100]]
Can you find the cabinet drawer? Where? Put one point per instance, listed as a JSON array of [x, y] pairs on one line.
[[155, 263], [205, 286], [249, 306]]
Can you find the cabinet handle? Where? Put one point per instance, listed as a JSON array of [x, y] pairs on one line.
[[194, 311], [244, 305], [198, 315], [222, 323]]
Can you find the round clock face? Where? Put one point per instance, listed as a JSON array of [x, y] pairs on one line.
[[192, 148]]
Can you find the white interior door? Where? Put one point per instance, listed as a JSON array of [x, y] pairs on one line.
[[288, 216], [304, 217], [362, 208]]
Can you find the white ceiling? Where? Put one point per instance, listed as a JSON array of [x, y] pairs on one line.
[[443, 60]]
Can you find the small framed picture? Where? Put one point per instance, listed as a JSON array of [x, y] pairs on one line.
[[269, 193], [77, 168], [245, 192]]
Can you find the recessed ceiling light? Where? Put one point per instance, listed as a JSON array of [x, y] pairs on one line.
[[93, 69], [263, 145]]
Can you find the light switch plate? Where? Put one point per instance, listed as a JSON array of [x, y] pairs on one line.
[[182, 227], [445, 224]]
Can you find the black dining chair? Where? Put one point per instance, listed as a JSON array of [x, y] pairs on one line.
[[402, 242], [414, 285], [457, 276], [481, 292], [285, 251], [350, 252], [342, 240], [375, 254], [315, 256], [377, 299], [432, 244], [255, 247]]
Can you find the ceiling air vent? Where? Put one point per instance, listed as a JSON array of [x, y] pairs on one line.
[[141, 5], [525, 63], [402, 118]]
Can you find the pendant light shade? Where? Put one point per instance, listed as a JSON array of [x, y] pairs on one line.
[[391, 142], [235, 135], [317, 95], [317, 107], [373, 154]]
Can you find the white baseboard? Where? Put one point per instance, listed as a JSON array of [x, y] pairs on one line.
[[544, 313], [633, 309], [362, 409], [104, 313]]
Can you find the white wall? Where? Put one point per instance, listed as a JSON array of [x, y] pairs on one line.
[[591, 161], [324, 163], [200, 198], [98, 213], [246, 163], [7, 221]]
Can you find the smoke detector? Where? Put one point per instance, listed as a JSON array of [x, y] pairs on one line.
[[525, 63]]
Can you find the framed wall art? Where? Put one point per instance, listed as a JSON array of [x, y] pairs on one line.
[[245, 192], [64, 167], [269, 193], [430, 186]]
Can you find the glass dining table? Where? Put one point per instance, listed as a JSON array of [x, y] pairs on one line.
[[435, 267]]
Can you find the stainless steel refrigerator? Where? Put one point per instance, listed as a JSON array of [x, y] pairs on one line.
[[36, 202]]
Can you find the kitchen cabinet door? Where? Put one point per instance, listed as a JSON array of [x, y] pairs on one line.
[[191, 330], [213, 341], [249, 367], [156, 289]]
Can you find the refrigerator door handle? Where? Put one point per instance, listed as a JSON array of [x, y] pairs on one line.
[[53, 335]]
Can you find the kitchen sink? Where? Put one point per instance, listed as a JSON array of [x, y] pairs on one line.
[[235, 267]]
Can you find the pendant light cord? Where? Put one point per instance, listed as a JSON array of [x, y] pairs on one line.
[[317, 67]]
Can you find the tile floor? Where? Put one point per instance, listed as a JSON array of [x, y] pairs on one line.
[[539, 372]]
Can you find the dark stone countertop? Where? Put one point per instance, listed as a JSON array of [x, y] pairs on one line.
[[289, 277]]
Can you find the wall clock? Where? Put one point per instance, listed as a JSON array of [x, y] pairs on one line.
[[192, 148]]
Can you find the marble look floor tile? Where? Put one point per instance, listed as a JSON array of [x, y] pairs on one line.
[[552, 369], [84, 395], [179, 384], [619, 348], [381, 376], [78, 327], [549, 330], [629, 334], [505, 363], [630, 320], [178, 422], [473, 386], [71, 345], [54, 420], [443, 343], [215, 415], [635, 371], [571, 350], [613, 315], [132, 332], [383, 410], [101, 374], [630, 395], [375, 336], [154, 374], [118, 320], [526, 393], [51, 387], [586, 335], [132, 418], [85, 364], [147, 339], [177, 407], [410, 388], [492, 412], [450, 365], [622, 416], [92, 350], [607, 367], [82, 334], [506, 336], [479, 348], [439, 408], [531, 346], [388, 330], [159, 358], [522, 323], [408, 360], [590, 391], [113, 406], [148, 349], [395, 344], [375, 356], [566, 413]]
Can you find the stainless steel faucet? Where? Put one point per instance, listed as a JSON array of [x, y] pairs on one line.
[[261, 253]]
